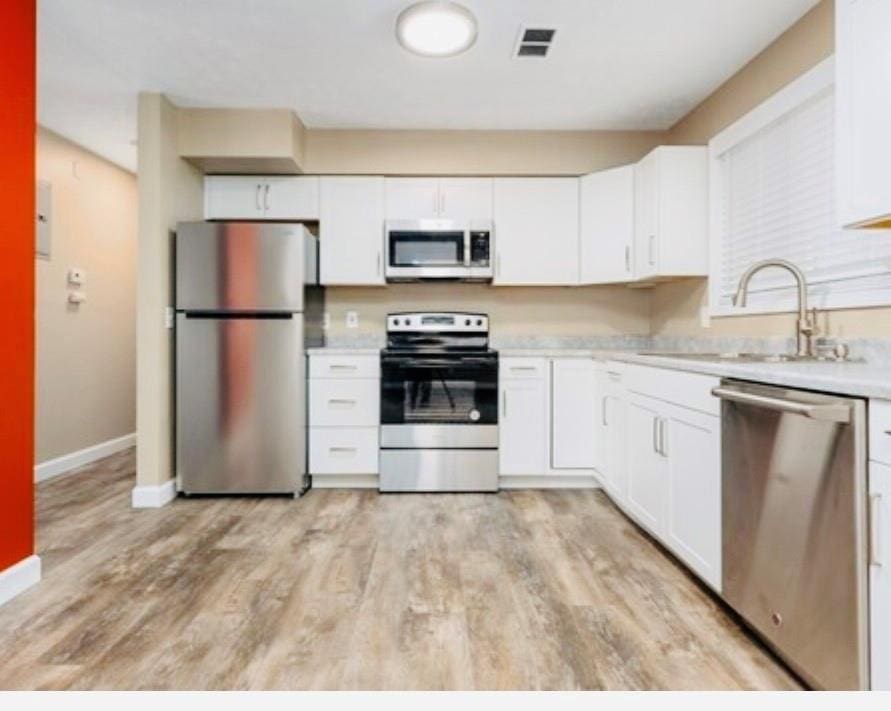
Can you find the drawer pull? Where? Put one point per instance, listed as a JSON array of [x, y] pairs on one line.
[[341, 401], [875, 501], [524, 368], [342, 450], [338, 366]]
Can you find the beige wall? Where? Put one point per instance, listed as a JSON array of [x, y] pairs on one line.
[[473, 152], [542, 311], [677, 306], [169, 190], [86, 354]]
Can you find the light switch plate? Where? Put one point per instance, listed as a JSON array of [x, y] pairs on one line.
[[77, 276], [352, 319]]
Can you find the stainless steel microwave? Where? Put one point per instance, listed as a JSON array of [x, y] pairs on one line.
[[439, 249]]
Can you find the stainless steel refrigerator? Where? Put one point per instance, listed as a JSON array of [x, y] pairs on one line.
[[247, 305]]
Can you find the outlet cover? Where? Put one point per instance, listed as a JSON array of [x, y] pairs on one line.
[[352, 319]]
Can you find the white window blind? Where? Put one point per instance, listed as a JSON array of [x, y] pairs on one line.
[[776, 193]]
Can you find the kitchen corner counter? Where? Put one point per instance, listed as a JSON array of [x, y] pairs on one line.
[[844, 378]]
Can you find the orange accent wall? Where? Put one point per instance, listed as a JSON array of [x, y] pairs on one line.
[[17, 184]]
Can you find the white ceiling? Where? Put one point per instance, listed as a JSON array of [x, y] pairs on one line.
[[615, 64]]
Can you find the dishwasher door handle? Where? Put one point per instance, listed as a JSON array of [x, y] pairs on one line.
[[828, 412]]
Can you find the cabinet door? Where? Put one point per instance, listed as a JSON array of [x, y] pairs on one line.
[[465, 198], [606, 229], [411, 198], [536, 231], [880, 575], [647, 469], [646, 216], [863, 108], [291, 198], [573, 413], [691, 444], [351, 229], [523, 426], [233, 197], [613, 416]]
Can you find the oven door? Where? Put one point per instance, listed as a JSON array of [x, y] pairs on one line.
[[427, 250], [440, 389]]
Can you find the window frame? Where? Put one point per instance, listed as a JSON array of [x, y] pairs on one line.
[[808, 86]]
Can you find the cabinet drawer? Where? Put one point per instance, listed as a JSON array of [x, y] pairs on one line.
[[343, 450], [523, 368], [332, 366], [691, 390], [880, 431], [344, 403]]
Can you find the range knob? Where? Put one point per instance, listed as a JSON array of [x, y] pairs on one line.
[[395, 321], [467, 322], [408, 322], [479, 322]]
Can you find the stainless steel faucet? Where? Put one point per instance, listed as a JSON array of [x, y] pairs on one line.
[[807, 321]]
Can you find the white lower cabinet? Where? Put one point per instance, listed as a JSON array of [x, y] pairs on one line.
[[344, 416], [880, 575], [662, 464], [548, 419], [573, 419], [524, 421], [691, 446]]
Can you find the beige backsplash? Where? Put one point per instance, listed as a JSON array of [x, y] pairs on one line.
[[534, 311]]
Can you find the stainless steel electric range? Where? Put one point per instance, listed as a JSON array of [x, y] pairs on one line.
[[439, 404]]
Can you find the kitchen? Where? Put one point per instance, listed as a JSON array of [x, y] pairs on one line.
[[644, 332]]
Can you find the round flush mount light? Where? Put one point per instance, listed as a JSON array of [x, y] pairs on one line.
[[435, 28]]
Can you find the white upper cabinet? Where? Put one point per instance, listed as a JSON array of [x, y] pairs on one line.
[[606, 231], [411, 198], [536, 231], [671, 213], [291, 198], [465, 198], [351, 230], [439, 198], [253, 197], [574, 390], [863, 106]]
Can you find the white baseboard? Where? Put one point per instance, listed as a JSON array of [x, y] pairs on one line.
[[345, 481], [154, 497], [19, 577], [54, 467], [549, 481]]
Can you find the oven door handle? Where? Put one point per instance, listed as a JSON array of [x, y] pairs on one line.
[[435, 363]]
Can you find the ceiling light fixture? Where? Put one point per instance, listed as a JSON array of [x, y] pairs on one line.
[[435, 28]]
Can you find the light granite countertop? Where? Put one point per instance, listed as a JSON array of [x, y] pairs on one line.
[[855, 378]]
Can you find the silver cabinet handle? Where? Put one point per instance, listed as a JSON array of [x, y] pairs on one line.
[[875, 501], [828, 412], [257, 197], [603, 411], [652, 250], [656, 435], [627, 258], [342, 366], [341, 401], [504, 404], [378, 262], [266, 197], [498, 263], [523, 368], [341, 449], [663, 439]]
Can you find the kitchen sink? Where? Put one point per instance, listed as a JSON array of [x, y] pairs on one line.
[[741, 357]]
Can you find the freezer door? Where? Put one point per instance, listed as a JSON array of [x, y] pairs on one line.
[[240, 414], [240, 266]]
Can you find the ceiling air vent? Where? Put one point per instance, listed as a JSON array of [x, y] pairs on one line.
[[534, 42]]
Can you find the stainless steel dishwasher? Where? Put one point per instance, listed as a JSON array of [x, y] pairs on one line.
[[794, 526]]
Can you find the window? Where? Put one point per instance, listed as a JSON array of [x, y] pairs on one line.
[[773, 196]]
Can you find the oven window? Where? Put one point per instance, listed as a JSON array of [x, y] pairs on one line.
[[438, 395], [426, 249]]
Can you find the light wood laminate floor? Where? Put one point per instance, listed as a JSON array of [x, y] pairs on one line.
[[354, 590]]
